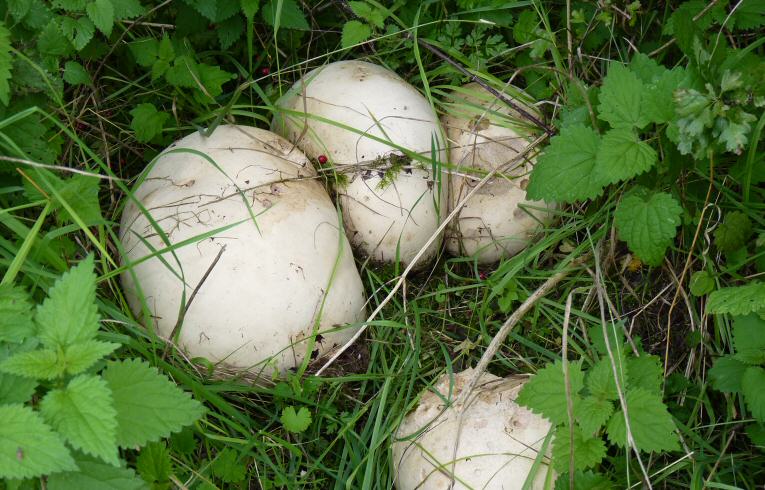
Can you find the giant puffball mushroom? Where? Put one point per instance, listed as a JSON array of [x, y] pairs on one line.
[[285, 270], [485, 134], [492, 445], [359, 116]]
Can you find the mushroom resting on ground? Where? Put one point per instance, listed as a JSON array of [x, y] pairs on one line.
[[284, 268], [484, 134], [359, 117], [492, 445]]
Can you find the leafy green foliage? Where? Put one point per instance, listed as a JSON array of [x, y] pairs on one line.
[[648, 223], [154, 465], [738, 300], [15, 314], [620, 99], [355, 32], [228, 468], [734, 232], [5, 65], [147, 121], [651, 424], [295, 421], [95, 475]]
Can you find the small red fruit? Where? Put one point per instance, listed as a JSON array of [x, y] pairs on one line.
[[265, 71], [322, 159], [483, 276]]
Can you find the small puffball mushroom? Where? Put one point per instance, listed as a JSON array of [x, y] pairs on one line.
[[492, 446], [358, 116], [284, 266], [485, 134]]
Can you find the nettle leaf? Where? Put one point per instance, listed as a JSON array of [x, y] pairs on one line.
[[82, 355], [645, 372], [145, 51], [84, 414], [545, 392], [165, 55], [584, 480], [212, 78], [229, 31], [734, 232], [15, 314], [355, 32], [69, 313], [588, 451], [726, 374], [51, 40], [79, 192], [127, 9], [154, 464], [753, 388], [600, 380], [37, 364], [620, 98], [95, 475], [250, 8], [28, 446], [79, 31], [622, 156], [749, 339], [592, 413], [15, 389], [371, 14], [227, 466], [648, 223], [76, 74], [565, 171], [149, 405], [5, 65], [291, 16], [650, 422], [147, 122], [738, 300], [295, 421], [101, 12]]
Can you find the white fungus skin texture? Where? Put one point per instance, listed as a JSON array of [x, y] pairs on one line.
[[496, 445], [265, 292], [379, 219], [484, 135]]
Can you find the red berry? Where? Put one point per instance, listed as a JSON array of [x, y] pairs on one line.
[[322, 159], [483, 276], [265, 71]]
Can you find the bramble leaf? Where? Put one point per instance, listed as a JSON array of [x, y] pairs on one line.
[[565, 170], [127, 9], [648, 223], [545, 392], [28, 446], [651, 423], [84, 414], [622, 156], [149, 405], [295, 421], [738, 300]]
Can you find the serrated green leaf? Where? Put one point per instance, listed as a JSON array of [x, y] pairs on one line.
[[79, 31], [749, 339], [183, 73], [295, 421], [658, 100], [84, 414], [69, 313], [584, 480], [28, 446], [70, 5], [622, 155], [702, 283], [648, 223], [740, 300], [147, 122], [545, 392], [149, 406], [95, 475], [650, 422], [52, 41], [749, 14], [565, 171], [229, 31], [76, 74], [15, 389], [5, 65], [165, 56], [753, 388], [212, 78], [354, 32], [600, 380], [82, 355], [154, 464], [145, 51], [15, 314], [79, 192], [227, 466], [291, 16], [592, 413], [726, 374], [369, 13], [18, 8], [620, 99], [588, 451], [734, 232], [208, 9], [127, 9], [645, 372], [250, 8], [646, 68], [101, 12], [36, 364]]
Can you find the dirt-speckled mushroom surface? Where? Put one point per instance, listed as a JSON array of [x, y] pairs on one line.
[[274, 278], [485, 134], [496, 445], [391, 204]]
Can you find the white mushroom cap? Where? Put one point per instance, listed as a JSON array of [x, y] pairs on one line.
[[485, 134], [496, 444], [277, 277], [375, 114]]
